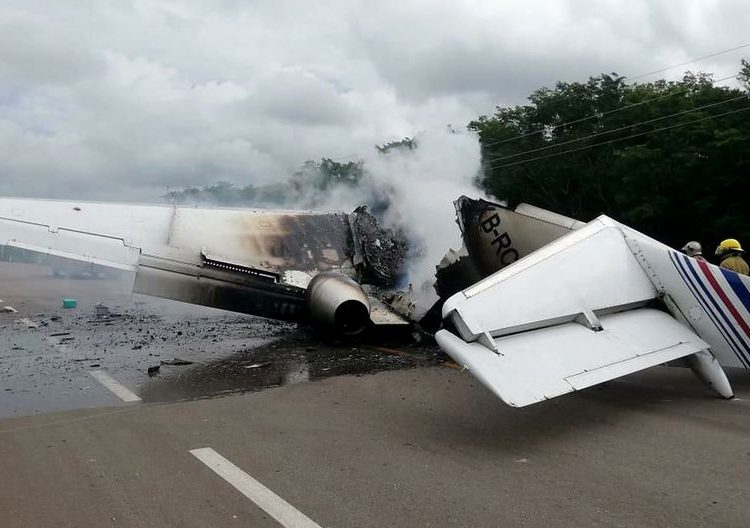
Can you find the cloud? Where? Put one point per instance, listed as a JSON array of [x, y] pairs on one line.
[[299, 97], [507, 49], [32, 55], [122, 100]]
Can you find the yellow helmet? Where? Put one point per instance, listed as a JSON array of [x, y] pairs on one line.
[[730, 244]]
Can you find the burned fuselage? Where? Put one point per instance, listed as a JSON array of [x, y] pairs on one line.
[[256, 262], [266, 263]]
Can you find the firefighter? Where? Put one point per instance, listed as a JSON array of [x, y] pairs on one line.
[[693, 249], [730, 256]]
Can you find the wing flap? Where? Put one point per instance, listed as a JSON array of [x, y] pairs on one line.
[[98, 233], [533, 366]]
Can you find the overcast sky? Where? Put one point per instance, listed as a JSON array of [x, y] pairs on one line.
[[121, 100]]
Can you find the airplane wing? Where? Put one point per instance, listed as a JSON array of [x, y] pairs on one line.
[[538, 365], [252, 261], [598, 303]]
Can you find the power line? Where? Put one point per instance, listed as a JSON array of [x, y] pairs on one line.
[[715, 54], [620, 129], [678, 125], [597, 115]]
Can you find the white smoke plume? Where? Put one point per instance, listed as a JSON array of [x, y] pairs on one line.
[[422, 184], [410, 189], [418, 186]]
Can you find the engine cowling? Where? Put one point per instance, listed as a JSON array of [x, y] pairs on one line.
[[338, 303]]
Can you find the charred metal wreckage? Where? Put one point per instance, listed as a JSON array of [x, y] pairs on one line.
[[534, 304], [337, 271]]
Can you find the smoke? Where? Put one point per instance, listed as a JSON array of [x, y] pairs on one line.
[[409, 186], [421, 185]]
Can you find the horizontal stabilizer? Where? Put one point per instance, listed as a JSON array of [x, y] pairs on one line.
[[533, 366]]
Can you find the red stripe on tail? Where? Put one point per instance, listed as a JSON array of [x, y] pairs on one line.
[[723, 296]]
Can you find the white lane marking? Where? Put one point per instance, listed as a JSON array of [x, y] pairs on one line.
[[286, 514], [113, 385], [28, 322]]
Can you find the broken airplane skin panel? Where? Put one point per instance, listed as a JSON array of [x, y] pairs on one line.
[[595, 304], [534, 305], [495, 236], [250, 261]]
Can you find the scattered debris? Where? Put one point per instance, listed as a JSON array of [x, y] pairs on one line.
[[176, 362], [95, 365], [78, 360], [69, 303], [102, 311], [522, 460], [154, 370], [60, 334], [257, 365], [9, 309]]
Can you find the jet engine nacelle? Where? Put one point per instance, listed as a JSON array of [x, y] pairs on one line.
[[337, 302]]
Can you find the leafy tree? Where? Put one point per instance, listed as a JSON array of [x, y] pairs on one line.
[[744, 75]]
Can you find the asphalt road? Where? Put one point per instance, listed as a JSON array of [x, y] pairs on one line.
[[48, 353], [413, 444]]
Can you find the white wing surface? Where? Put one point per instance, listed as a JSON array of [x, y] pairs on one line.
[[599, 303]]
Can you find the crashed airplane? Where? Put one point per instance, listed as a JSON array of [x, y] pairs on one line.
[[535, 305], [588, 303]]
